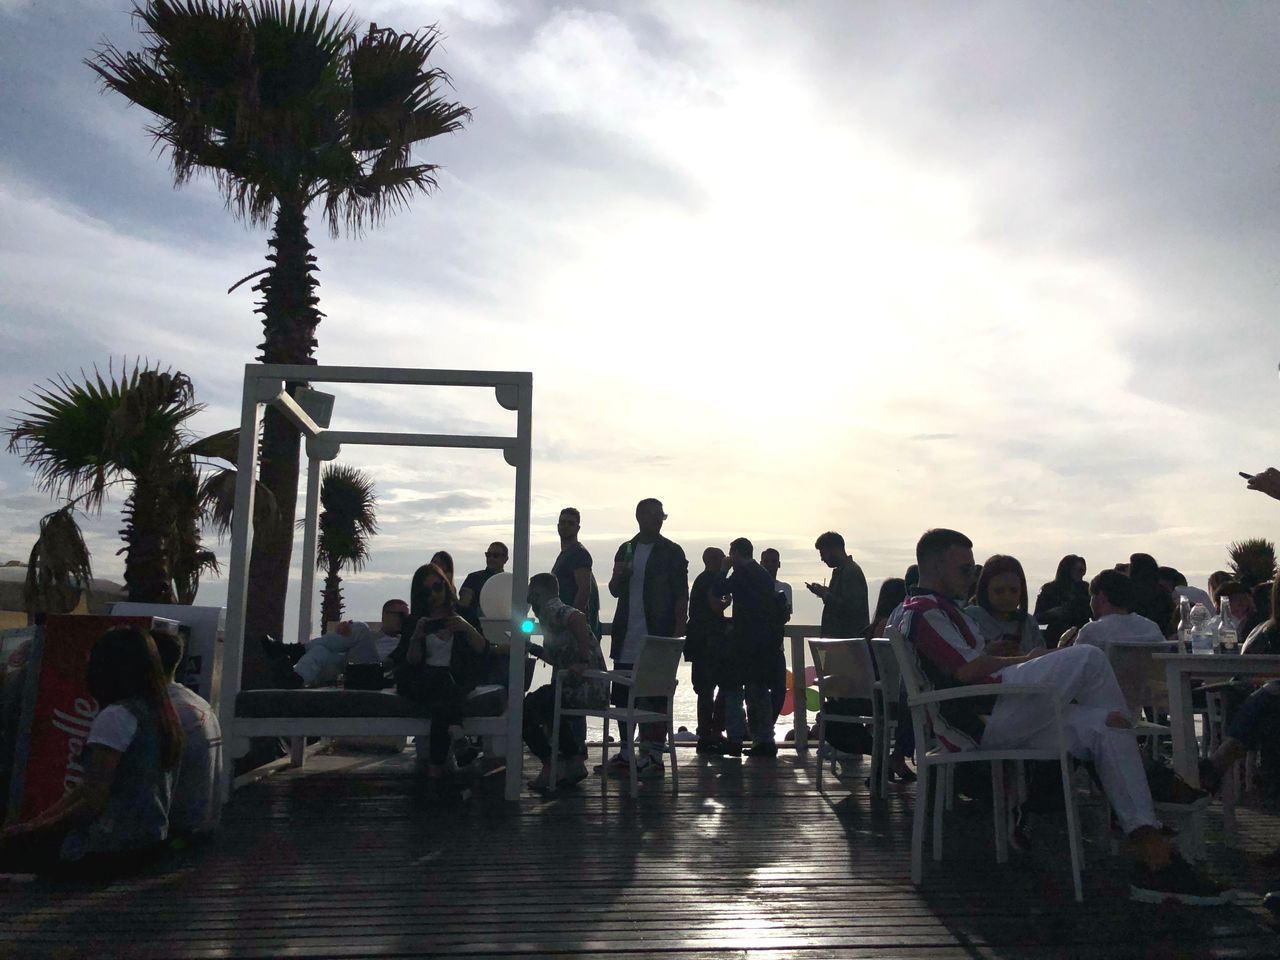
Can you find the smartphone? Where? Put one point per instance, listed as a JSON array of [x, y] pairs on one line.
[[1247, 476]]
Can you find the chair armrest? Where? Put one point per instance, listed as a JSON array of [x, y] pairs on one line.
[[982, 690], [616, 676]]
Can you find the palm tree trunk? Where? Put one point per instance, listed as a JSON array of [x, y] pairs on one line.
[[331, 597], [148, 519], [289, 320]]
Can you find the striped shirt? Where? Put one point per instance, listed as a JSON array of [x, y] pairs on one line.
[[945, 640]]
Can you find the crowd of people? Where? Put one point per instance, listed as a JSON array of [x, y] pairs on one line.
[[152, 742]]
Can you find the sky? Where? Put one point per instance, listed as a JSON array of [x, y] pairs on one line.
[[1009, 268]]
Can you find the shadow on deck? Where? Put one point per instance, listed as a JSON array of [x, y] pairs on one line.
[[350, 857]]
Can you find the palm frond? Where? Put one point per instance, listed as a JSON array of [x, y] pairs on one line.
[[217, 499], [82, 436]]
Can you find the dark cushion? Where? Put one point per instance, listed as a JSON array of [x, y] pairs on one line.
[[331, 702]]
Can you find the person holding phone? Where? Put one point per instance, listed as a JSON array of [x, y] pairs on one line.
[[844, 603]]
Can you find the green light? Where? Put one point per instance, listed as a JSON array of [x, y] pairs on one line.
[[527, 626]]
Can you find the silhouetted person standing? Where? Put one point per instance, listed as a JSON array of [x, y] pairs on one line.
[[572, 569], [771, 560], [705, 648], [844, 602], [651, 581], [755, 640]]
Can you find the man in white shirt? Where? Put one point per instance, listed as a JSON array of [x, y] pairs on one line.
[[351, 641], [195, 809], [1111, 595], [651, 583]]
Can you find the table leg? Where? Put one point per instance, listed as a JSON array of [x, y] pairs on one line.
[[1182, 724]]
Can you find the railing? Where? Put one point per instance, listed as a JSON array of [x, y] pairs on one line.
[[796, 634]]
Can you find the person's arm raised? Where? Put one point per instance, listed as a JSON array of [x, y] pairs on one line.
[[1268, 482]]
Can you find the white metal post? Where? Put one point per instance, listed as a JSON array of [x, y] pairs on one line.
[[519, 587], [238, 573], [311, 525]]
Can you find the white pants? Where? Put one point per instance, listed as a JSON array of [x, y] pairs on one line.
[[328, 656], [1087, 687]]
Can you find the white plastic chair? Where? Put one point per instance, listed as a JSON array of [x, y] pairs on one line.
[[1143, 681], [653, 675], [845, 671], [931, 753], [888, 686]]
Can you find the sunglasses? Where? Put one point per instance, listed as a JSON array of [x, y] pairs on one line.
[[495, 556], [438, 587]]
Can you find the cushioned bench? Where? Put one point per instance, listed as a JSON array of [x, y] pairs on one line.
[[332, 712]]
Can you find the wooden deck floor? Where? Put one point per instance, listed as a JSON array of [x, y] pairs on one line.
[[350, 858]]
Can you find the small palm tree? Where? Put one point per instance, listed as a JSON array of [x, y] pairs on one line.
[[1253, 561], [284, 105], [58, 569], [347, 520], [84, 438]]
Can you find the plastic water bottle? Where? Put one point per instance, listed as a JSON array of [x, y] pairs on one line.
[[1184, 625], [1228, 637], [1202, 632]]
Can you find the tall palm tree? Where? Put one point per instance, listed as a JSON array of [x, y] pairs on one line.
[[347, 520], [85, 438], [285, 105]]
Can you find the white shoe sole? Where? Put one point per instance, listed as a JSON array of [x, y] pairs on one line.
[[1143, 895]]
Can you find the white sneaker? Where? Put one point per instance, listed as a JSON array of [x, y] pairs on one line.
[[648, 767]]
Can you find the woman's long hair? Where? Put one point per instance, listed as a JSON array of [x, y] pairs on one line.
[[892, 592], [1065, 566], [994, 567], [443, 560], [420, 596], [125, 665]]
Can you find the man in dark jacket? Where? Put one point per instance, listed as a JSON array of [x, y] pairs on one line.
[[755, 638], [651, 581], [844, 602], [705, 650]]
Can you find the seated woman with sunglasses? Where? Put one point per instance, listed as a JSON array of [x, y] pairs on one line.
[[438, 660]]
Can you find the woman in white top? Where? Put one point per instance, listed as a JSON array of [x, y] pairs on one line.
[[438, 661], [118, 817], [1000, 610]]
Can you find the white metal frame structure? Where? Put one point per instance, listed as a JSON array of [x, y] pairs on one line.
[[265, 384]]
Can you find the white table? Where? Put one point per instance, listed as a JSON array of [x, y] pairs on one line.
[[1180, 668]]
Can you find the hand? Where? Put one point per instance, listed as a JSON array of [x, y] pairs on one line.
[[458, 622], [818, 589], [1005, 647], [1268, 482], [416, 652]]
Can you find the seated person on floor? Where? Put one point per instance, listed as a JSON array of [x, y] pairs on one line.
[[196, 807], [569, 646], [117, 819], [1095, 717], [1111, 598], [1000, 608], [438, 662], [324, 659]]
